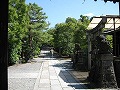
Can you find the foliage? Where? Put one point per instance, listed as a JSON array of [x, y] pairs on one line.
[[80, 32], [67, 34], [28, 31], [50, 33], [17, 27], [37, 17], [110, 40], [36, 26], [26, 25]]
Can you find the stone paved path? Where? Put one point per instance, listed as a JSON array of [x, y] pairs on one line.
[[46, 74], [54, 77]]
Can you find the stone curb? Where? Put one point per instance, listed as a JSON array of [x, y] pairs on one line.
[[36, 86]]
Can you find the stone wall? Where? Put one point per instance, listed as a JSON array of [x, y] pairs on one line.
[[117, 71], [102, 73]]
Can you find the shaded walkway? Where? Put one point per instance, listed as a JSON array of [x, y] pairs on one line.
[[57, 74], [46, 73]]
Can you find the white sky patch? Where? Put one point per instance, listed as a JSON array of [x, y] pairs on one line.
[[89, 14]]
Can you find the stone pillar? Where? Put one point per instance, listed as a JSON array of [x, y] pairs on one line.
[[107, 74], [117, 70], [89, 50]]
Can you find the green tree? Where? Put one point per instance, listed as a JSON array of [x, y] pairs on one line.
[[71, 32], [36, 27], [26, 30], [60, 36], [50, 37], [80, 32], [17, 27], [63, 35]]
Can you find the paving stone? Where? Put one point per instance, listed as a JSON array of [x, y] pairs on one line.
[[56, 87], [51, 69], [55, 82], [63, 84], [53, 77], [45, 76], [44, 81], [66, 73], [63, 79], [45, 72], [44, 85], [68, 88], [57, 72], [72, 81], [44, 88], [53, 73]]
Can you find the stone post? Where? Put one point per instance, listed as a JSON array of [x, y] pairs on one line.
[[102, 72], [89, 55], [108, 79]]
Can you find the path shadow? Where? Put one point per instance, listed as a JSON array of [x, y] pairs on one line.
[[67, 74]]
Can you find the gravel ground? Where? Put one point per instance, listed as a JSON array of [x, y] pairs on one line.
[[23, 76], [21, 83]]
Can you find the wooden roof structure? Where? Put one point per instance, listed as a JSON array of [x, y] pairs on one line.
[[108, 22], [111, 24]]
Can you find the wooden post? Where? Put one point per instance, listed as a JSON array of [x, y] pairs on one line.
[[114, 39], [3, 44]]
